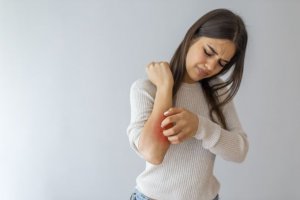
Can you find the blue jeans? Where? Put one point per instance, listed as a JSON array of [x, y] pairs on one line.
[[136, 195]]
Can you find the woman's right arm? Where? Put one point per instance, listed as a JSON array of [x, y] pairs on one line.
[[148, 103], [152, 144]]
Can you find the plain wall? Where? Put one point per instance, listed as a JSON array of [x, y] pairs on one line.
[[66, 67]]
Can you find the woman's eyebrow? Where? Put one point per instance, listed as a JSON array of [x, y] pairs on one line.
[[213, 50]]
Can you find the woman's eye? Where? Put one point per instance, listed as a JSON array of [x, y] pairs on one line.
[[222, 64], [207, 53]]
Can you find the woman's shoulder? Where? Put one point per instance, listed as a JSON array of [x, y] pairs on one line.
[[143, 84]]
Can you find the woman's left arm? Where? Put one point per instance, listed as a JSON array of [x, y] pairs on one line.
[[231, 144]]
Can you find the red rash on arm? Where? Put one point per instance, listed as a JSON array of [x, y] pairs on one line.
[[158, 130]]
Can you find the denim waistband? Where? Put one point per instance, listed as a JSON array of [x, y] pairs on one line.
[[137, 195]]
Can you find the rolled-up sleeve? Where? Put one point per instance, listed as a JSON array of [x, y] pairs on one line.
[[231, 144], [141, 105]]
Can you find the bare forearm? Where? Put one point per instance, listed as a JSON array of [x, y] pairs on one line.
[[153, 145]]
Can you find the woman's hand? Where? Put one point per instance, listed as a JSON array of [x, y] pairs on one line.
[[159, 73], [185, 125]]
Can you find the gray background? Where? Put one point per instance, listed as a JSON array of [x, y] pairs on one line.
[[66, 67]]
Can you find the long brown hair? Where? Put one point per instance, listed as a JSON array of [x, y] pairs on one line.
[[218, 24]]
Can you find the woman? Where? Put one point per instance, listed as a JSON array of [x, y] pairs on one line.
[[183, 116]]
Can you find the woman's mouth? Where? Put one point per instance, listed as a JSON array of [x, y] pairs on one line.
[[201, 72]]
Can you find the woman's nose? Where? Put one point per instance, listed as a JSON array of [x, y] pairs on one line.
[[211, 64]]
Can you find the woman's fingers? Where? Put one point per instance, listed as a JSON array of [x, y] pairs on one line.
[[171, 116], [172, 111], [176, 134], [168, 120], [179, 124], [178, 138], [159, 73], [173, 130]]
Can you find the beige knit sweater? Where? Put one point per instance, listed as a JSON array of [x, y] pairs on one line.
[[187, 169]]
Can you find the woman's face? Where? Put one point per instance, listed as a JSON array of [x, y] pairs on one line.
[[207, 57]]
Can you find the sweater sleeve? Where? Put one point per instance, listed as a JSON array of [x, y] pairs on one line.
[[142, 94], [230, 144]]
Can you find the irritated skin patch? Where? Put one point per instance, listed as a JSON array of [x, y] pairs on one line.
[[159, 130]]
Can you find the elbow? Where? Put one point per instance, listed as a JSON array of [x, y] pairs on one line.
[[151, 154], [154, 161], [241, 152], [241, 156], [152, 158], [240, 159], [237, 158]]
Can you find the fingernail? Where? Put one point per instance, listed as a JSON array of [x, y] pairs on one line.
[[165, 113]]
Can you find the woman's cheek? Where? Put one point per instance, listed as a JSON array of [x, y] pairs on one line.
[[201, 59]]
